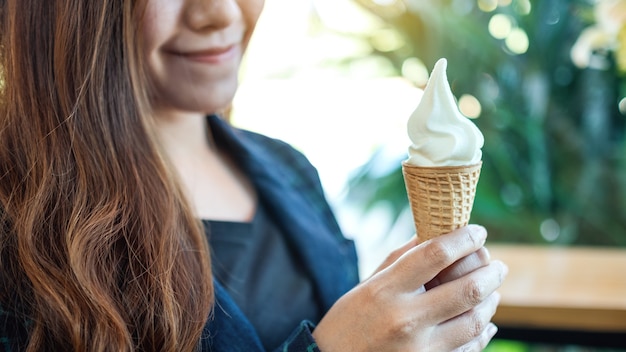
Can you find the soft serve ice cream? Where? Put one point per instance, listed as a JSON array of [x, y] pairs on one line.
[[440, 134], [444, 162]]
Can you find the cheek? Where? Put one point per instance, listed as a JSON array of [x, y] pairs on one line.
[[251, 11], [149, 34], [158, 23]]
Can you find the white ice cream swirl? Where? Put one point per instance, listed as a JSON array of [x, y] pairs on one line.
[[441, 135]]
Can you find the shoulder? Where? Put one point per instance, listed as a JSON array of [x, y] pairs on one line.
[[244, 145], [301, 172], [277, 147]]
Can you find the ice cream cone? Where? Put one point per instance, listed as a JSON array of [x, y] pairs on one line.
[[441, 198]]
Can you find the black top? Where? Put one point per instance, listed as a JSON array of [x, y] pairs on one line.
[[254, 263]]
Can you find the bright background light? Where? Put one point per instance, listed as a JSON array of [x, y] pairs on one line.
[[500, 26], [337, 117]]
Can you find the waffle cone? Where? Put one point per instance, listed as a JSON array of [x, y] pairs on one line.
[[441, 198]]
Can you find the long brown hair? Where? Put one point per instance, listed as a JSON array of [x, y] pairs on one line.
[[98, 248]]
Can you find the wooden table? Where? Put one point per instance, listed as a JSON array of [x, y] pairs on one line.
[[574, 289]]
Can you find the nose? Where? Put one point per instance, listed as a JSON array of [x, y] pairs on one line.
[[206, 14]]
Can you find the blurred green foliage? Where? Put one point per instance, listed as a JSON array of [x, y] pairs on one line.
[[555, 148], [507, 346], [516, 346]]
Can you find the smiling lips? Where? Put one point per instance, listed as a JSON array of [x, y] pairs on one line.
[[214, 55]]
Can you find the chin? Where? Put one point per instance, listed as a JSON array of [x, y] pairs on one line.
[[219, 100], [216, 106], [215, 100]]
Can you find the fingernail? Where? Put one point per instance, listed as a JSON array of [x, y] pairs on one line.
[[493, 329], [506, 269], [505, 272], [487, 253], [497, 295]]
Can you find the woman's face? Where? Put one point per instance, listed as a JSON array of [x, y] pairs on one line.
[[193, 50]]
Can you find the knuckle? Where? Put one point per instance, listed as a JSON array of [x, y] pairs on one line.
[[402, 328], [474, 292], [439, 254], [477, 338], [476, 325]]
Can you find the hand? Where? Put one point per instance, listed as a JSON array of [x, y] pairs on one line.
[[391, 312]]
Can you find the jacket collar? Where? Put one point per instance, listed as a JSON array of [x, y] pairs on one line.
[[333, 271]]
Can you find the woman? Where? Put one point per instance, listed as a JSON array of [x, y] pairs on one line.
[[111, 153]]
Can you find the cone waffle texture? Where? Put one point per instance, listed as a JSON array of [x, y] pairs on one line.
[[441, 198]]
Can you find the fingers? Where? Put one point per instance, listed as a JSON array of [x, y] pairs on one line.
[[471, 328], [459, 296], [388, 312], [421, 264], [480, 342], [464, 266]]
